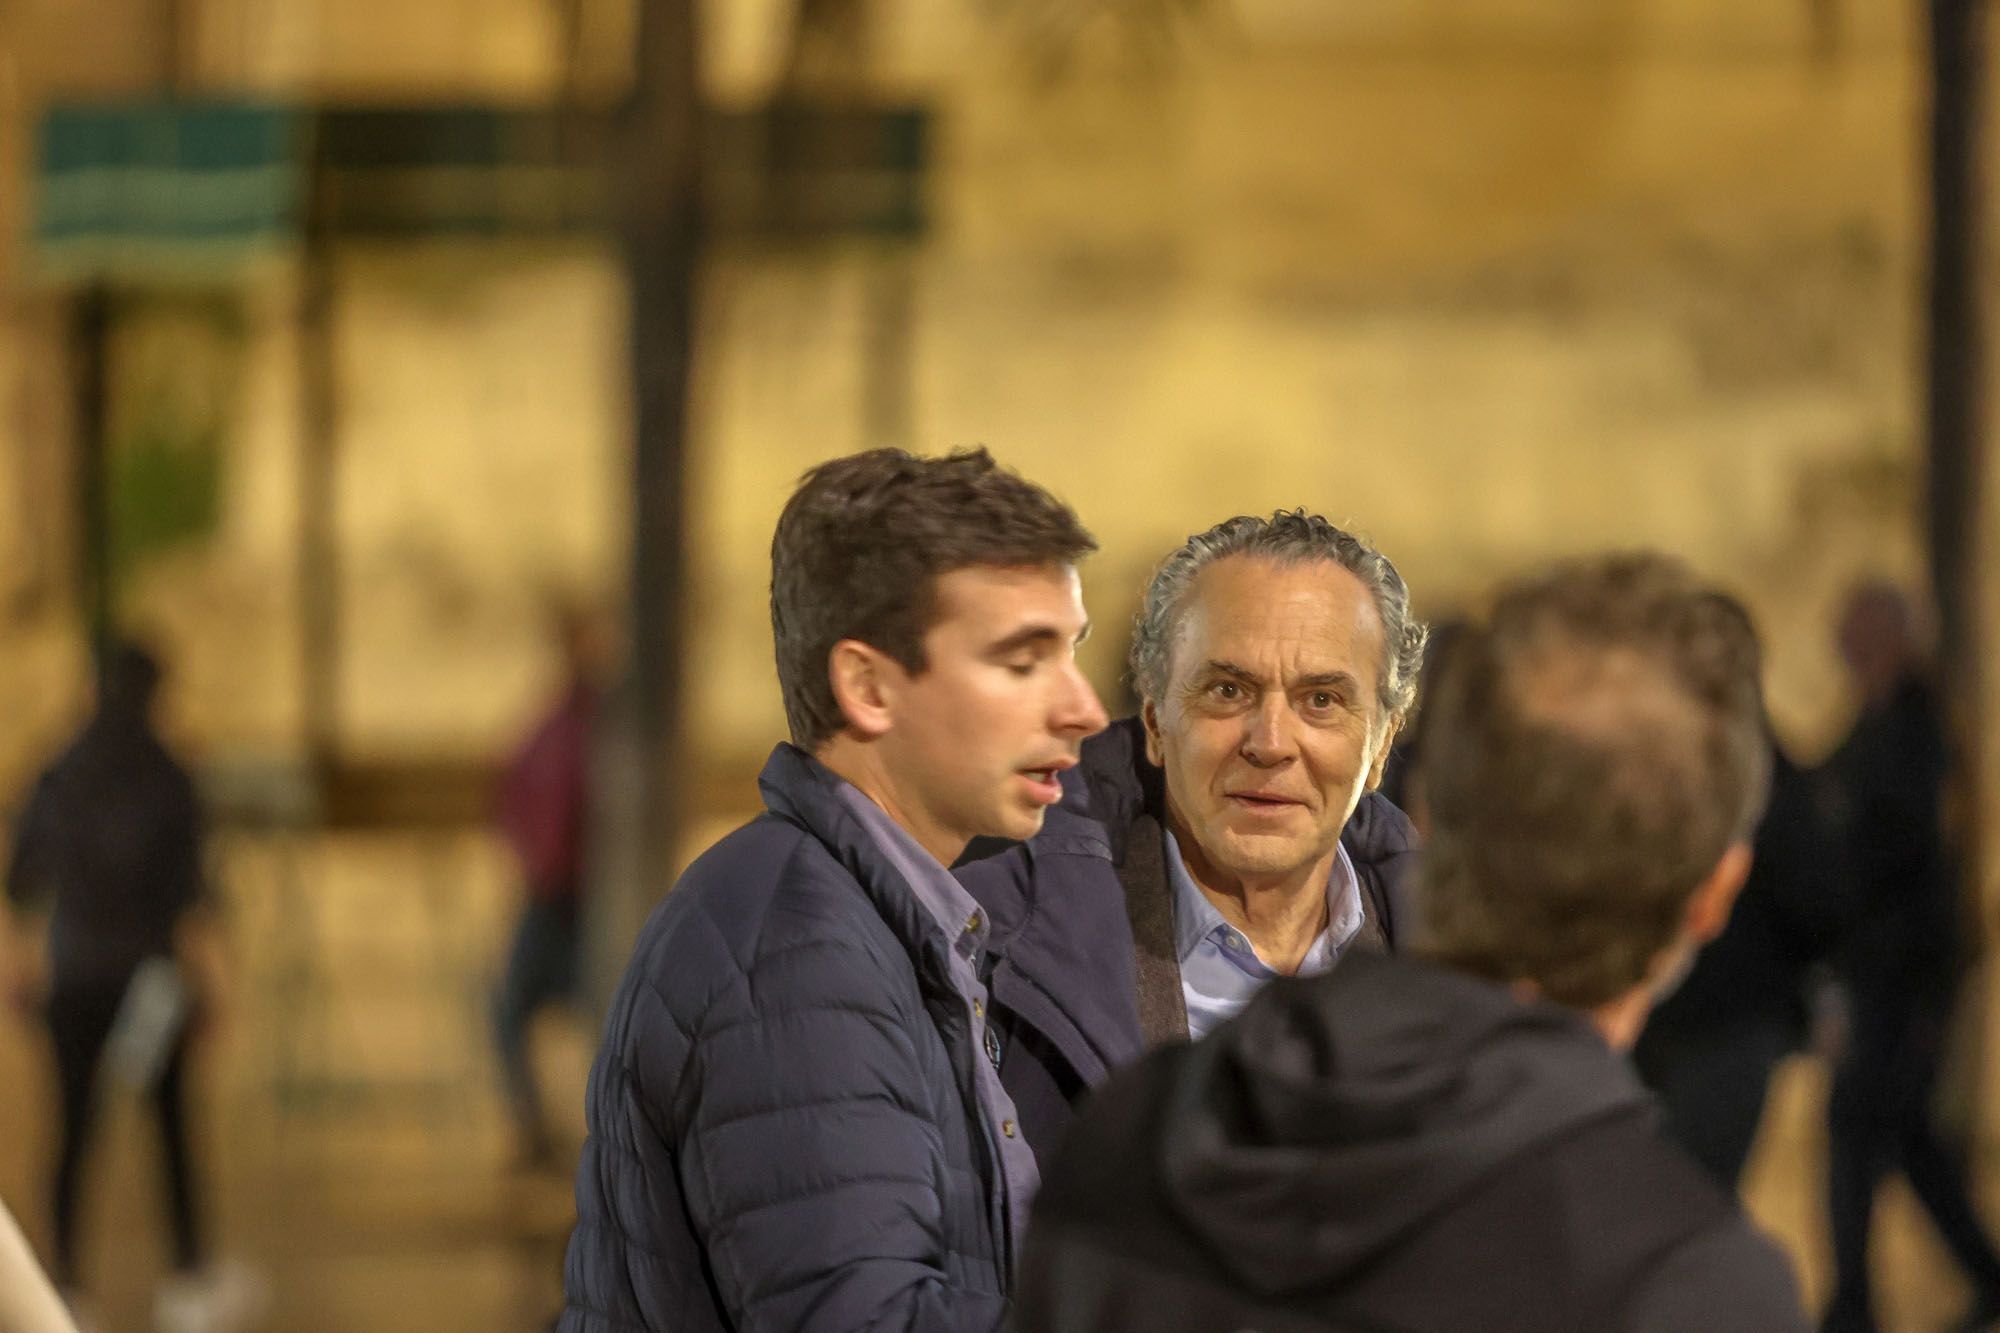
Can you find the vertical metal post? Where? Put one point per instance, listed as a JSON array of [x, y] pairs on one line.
[[1953, 418], [318, 494], [90, 355], [656, 176], [1954, 434]]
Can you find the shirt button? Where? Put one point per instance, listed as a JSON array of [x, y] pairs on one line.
[[976, 922], [1007, 1128], [978, 1009]]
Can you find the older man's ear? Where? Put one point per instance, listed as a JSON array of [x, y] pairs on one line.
[[1149, 718], [1379, 761]]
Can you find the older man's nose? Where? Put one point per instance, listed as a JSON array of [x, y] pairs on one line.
[[1268, 738]]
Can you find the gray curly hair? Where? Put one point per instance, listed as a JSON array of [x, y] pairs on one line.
[[1289, 537]]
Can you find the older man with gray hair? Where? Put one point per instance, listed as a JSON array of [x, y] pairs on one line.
[[1233, 820], [1454, 1142]]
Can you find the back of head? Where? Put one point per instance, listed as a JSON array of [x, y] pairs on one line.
[[862, 543], [1593, 750]]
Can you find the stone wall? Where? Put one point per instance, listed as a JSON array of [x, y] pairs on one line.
[[1492, 287]]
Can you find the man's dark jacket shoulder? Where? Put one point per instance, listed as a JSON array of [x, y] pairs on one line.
[[1390, 1146], [784, 1130], [1083, 914]]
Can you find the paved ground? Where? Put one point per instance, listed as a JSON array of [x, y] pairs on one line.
[[356, 1145]]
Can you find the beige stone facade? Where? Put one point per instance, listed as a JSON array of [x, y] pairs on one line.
[[1492, 287]]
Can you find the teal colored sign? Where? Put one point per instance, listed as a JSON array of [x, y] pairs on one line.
[[158, 190]]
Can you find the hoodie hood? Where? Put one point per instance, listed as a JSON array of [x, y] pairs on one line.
[[1336, 1116]]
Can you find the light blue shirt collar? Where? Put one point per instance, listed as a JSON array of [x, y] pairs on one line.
[[1220, 970]]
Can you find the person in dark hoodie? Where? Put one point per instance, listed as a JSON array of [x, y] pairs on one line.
[[1229, 833], [1455, 1142], [795, 1117]]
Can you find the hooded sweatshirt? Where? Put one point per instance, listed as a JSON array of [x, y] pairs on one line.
[[1391, 1146]]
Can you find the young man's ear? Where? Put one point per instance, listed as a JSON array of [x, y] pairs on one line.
[[865, 684], [1708, 909]]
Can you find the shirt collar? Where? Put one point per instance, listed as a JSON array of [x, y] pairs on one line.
[[956, 912], [1196, 918]]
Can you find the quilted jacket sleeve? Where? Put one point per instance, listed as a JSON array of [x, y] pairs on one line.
[[808, 1164]]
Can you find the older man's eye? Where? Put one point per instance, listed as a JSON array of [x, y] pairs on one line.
[[1227, 690]]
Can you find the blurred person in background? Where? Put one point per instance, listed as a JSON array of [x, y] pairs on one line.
[[1710, 1048], [1455, 1142], [796, 1119], [117, 942], [1902, 960], [543, 814], [1228, 834]]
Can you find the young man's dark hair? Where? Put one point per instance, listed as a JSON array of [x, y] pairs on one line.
[[797, 1119], [860, 546], [1456, 1144]]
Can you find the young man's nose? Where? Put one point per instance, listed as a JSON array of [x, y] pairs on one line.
[[1079, 710]]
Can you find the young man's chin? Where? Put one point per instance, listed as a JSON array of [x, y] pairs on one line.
[[1022, 823]]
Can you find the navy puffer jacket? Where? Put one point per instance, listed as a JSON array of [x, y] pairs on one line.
[[784, 1127]]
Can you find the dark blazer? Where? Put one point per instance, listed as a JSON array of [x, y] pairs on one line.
[[784, 1125], [1097, 908]]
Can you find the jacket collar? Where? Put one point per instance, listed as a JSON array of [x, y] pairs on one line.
[[799, 789]]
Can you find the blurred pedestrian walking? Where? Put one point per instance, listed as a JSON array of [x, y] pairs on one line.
[[121, 958], [1902, 962], [544, 806]]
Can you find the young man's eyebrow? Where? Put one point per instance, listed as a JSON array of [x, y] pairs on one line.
[[1028, 636]]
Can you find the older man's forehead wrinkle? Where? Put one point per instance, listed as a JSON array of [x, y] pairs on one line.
[[1271, 625]]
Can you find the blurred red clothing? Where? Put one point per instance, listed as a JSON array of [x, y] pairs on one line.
[[544, 798]]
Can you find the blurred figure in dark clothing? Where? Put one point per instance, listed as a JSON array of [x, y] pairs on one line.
[[544, 804], [1710, 1048], [109, 846], [1901, 961]]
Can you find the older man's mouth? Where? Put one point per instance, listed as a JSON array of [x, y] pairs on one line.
[[1264, 801]]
